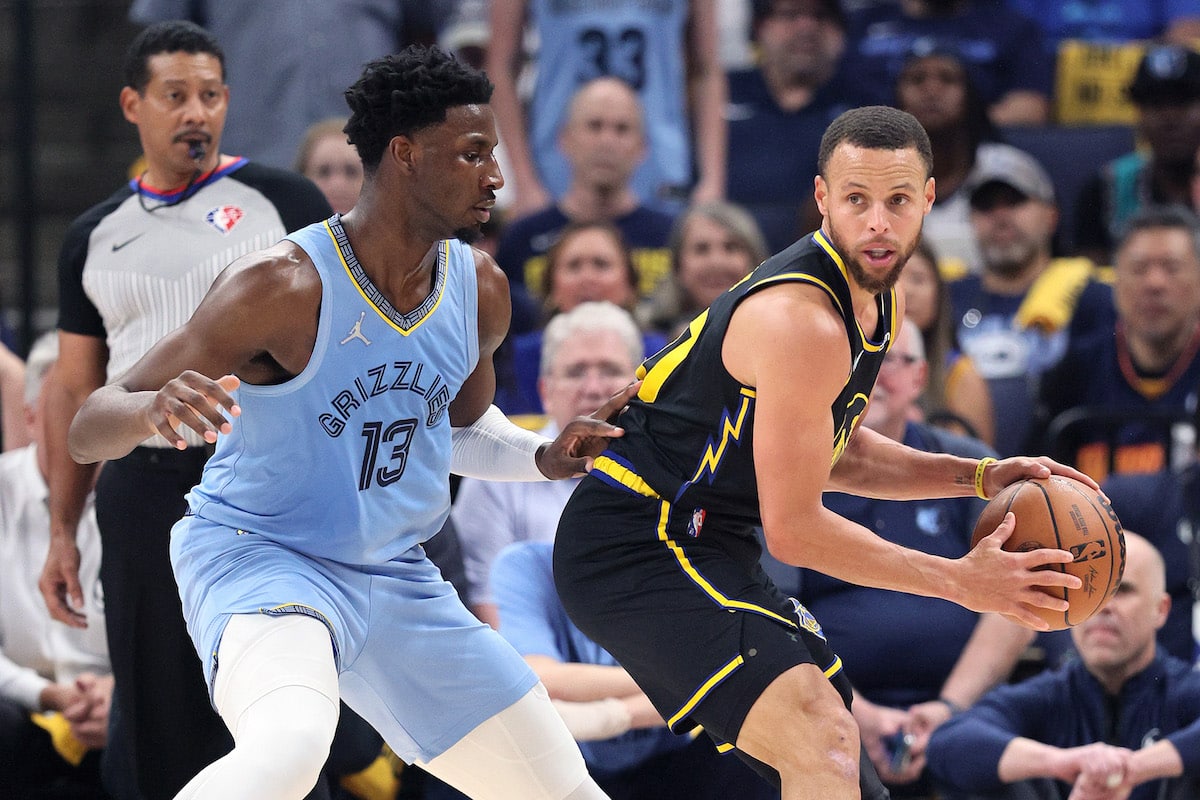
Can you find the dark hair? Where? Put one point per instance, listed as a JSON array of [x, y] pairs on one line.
[[876, 128], [399, 94], [761, 9], [1162, 216], [570, 231], [975, 120], [171, 36]]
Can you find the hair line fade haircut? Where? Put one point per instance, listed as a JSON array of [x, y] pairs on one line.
[[402, 93], [171, 36], [875, 128]]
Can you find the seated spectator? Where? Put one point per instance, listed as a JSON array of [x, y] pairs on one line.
[[1147, 363], [1123, 721], [1003, 51], [589, 262], [587, 354], [603, 141], [1113, 21], [1166, 92], [14, 432], [55, 682], [1014, 319], [911, 695], [1164, 507], [955, 393], [779, 107], [713, 246], [625, 743], [327, 158]]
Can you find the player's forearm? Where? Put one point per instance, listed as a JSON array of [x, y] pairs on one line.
[[876, 466], [110, 423], [710, 88]]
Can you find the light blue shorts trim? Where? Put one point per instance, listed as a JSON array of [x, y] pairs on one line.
[[412, 660]]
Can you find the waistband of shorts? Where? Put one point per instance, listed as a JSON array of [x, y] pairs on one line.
[[169, 457]]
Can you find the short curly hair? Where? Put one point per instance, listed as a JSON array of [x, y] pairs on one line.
[[402, 93]]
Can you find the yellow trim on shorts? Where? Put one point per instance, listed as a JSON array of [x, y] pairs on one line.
[[704, 689], [624, 476], [724, 747], [664, 515]]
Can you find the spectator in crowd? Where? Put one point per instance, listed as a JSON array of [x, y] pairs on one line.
[[587, 354], [1113, 21], [667, 51], [327, 158], [778, 109], [603, 140], [132, 269], [1014, 318], [1003, 51], [936, 88], [1164, 506], [588, 262], [713, 246], [60, 675], [14, 432], [1166, 92], [284, 89], [1148, 361], [909, 695], [955, 393], [1123, 721]]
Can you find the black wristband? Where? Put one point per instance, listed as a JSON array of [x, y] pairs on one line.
[[954, 707]]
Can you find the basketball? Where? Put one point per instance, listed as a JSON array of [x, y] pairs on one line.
[[1064, 514]]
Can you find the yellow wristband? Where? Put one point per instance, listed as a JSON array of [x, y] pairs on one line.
[[979, 468]]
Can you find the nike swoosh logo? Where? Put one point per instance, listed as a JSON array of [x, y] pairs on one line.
[[117, 247]]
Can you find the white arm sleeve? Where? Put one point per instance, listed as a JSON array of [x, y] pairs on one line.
[[495, 449], [593, 720]]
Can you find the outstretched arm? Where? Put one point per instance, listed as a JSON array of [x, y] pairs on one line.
[[179, 382], [709, 90], [797, 379]]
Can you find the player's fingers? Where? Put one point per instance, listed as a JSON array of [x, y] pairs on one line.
[[617, 402], [1003, 530], [1037, 598]]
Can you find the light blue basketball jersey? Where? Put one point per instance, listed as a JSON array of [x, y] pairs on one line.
[[639, 41], [350, 459]]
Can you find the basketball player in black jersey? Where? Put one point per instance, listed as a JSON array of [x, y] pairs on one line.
[[745, 420]]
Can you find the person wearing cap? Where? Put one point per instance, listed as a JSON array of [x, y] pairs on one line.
[[1015, 317], [779, 107], [1166, 92]]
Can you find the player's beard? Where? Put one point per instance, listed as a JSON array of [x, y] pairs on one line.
[[859, 273], [468, 235]]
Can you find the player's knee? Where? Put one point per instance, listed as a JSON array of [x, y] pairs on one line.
[[293, 759], [832, 743]]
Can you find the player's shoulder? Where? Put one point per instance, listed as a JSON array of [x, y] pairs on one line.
[[281, 271]]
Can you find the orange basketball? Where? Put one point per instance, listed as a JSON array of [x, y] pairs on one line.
[[1064, 514]]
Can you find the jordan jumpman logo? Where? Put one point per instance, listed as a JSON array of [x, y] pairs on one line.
[[356, 331]]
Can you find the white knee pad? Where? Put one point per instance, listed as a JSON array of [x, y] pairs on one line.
[[524, 751]]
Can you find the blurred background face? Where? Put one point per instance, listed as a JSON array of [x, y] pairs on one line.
[[602, 138], [589, 367], [934, 90], [334, 166], [711, 259], [1172, 129], [1119, 639], [1012, 229], [1157, 285], [920, 284], [589, 265], [801, 40], [901, 381]]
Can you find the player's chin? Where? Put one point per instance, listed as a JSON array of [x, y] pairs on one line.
[[469, 234]]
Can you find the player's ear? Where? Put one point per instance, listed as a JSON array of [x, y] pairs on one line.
[[402, 151], [820, 193], [930, 193]]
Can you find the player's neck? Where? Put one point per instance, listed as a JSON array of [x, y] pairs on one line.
[[393, 253]]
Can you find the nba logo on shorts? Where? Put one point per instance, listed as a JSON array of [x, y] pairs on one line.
[[696, 522], [223, 218]]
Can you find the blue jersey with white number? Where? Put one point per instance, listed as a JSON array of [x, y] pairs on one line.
[[350, 459], [641, 42]]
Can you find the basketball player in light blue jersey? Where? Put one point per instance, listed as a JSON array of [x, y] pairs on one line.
[[356, 373]]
